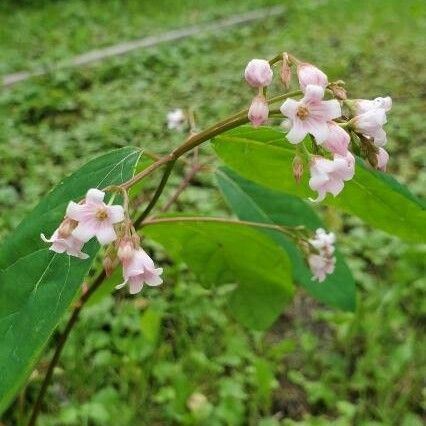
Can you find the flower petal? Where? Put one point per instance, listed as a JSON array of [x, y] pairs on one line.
[[76, 211], [135, 284], [319, 130], [95, 196], [313, 93], [115, 213], [106, 233], [289, 108], [331, 109], [84, 231], [297, 132], [152, 277]]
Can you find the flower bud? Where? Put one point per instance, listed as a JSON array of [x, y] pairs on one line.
[[285, 71], [108, 265], [382, 159], [125, 250], [297, 168], [309, 74], [258, 111], [258, 73], [66, 227], [338, 91]]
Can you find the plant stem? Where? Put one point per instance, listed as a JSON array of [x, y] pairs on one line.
[[157, 194], [198, 138]]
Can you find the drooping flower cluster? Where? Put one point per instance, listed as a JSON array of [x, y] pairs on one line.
[[328, 117], [92, 218], [322, 261]]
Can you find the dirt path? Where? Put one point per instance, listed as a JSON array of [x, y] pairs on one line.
[[126, 47]]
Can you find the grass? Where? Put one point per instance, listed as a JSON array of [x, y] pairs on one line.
[[149, 360]]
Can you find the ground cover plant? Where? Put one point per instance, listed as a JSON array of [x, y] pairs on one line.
[[251, 376]]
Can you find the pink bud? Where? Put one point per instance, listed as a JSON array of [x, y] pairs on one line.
[[286, 71], [337, 140], [125, 250], [258, 111], [309, 74], [297, 168], [338, 91], [108, 265], [258, 73], [382, 159]]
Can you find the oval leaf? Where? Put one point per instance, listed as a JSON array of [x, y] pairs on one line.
[[36, 285], [253, 202], [265, 157], [220, 253]]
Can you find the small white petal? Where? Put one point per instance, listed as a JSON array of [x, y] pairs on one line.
[[313, 93], [84, 232], [95, 195], [76, 211], [115, 213], [106, 233], [289, 108]]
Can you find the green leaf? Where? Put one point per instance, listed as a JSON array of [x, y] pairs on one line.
[[255, 203], [221, 253], [263, 156], [36, 285]]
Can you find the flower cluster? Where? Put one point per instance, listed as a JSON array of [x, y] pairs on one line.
[[322, 261], [92, 218], [330, 119]]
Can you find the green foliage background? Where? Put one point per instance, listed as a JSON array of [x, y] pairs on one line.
[[141, 361]]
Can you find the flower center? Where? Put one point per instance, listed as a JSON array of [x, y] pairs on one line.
[[101, 214], [302, 112]]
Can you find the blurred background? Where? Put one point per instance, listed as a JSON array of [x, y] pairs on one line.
[[174, 355]]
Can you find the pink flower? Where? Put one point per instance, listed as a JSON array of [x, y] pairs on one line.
[[338, 139], [65, 244], [382, 159], [140, 269], [258, 111], [370, 124], [329, 175], [258, 73], [323, 241], [95, 218], [310, 115], [322, 263], [321, 266], [365, 105], [309, 74]]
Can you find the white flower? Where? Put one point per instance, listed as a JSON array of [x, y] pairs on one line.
[[370, 124], [310, 115], [139, 269], [176, 119], [95, 218], [329, 175]]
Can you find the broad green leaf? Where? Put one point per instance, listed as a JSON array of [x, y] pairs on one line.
[[36, 285], [265, 157], [227, 253], [255, 203]]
